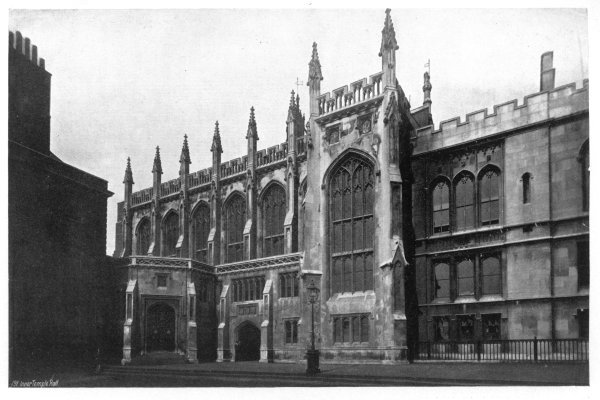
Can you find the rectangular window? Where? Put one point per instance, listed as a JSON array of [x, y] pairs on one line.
[[583, 320], [466, 327], [288, 284], [161, 280], [441, 327], [247, 289], [490, 324], [441, 281], [351, 328], [466, 278], [583, 265], [291, 331]]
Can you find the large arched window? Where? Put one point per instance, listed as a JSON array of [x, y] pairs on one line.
[[201, 229], [440, 199], [171, 234], [464, 202], [273, 213], [351, 197], [489, 199], [235, 219], [584, 158], [143, 237]]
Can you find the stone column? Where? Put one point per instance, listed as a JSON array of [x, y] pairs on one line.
[[250, 239], [184, 202], [214, 237], [223, 346], [155, 207], [127, 214], [266, 327], [295, 127]]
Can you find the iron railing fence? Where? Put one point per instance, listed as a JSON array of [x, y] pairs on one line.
[[505, 350]]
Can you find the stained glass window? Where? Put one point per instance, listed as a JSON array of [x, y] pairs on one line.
[[201, 224], [273, 212], [235, 219]]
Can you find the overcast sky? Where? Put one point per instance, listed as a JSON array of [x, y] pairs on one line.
[[124, 81]]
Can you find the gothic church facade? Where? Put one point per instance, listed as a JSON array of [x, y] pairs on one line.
[[219, 260]]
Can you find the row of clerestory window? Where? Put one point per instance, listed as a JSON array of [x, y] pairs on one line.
[[273, 215]]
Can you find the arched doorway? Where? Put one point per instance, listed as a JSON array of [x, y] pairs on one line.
[[160, 328], [247, 345]]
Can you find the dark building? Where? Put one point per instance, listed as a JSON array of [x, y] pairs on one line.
[[57, 228]]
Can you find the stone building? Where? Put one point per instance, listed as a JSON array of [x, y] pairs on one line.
[[57, 228], [220, 259], [501, 218]]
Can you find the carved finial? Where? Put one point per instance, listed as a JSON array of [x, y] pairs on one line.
[[292, 100], [426, 88], [128, 174], [157, 167], [216, 144], [388, 34], [185, 152], [314, 66], [252, 133]]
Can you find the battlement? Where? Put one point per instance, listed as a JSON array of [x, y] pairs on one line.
[[24, 48], [352, 94], [559, 102], [237, 166]]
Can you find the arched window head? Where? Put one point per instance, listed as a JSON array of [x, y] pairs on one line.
[[273, 212], [464, 202], [235, 219], [171, 234], [143, 237], [489, 200], [526, 181], [201, 229], [440, 199], [351, 187]]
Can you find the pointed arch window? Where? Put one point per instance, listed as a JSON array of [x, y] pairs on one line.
[[441, 207], [273, 212], [201, 229], [235, 219], [465, 274], [171, 232], [351, 187], [143, 237], [464, 202], [489, 199]]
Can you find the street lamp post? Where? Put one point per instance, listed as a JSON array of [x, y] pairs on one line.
[[312, 355]]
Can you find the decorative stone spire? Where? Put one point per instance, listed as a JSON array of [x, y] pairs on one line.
[[252, 133], [314, 66], [388, 35], [128, 174], [216, 144], [292, 110], [157, 167], [426, 89], [185, 152]]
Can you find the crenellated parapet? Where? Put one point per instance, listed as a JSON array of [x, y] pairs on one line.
[[349, 95], [541, 107], [23, 47]]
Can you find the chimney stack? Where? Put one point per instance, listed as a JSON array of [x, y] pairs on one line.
[[547, 72]]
